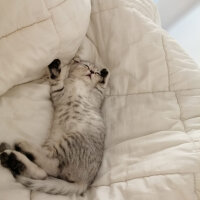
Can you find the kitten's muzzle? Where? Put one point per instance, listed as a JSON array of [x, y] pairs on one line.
[[90, 74]]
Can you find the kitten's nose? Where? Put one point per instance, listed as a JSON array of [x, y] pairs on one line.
[[92, 72]]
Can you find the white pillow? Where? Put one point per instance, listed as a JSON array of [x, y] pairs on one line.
[[33, 33]]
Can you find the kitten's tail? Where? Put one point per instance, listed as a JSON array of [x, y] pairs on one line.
[[53, 186]]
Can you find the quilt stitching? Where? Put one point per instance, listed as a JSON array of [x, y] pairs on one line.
[[181, 119], [155, 14], [124, 141], [164, 174], [4, 36], [180, 108], [31, 194], [151, 92], [103, 10], [100, 11], [166, 61], [195, 187], [142, 7], [57, 5], [54, 26]]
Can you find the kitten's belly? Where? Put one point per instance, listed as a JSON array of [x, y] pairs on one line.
[[83, 125]]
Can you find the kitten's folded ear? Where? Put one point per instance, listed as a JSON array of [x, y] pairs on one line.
[[75, 60]]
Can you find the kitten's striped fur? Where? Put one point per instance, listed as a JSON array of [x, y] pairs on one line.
[[74, 149]]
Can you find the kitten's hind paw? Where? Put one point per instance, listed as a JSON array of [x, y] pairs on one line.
[[19, 164], [9, 160], [4, 159], [21, 147], [4, 146]]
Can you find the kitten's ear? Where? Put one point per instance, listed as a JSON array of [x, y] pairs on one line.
[[75, 60]]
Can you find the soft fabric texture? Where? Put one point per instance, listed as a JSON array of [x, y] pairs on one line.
[[33, 33], [152, 108]]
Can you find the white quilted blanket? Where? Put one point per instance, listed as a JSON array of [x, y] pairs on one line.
[[152, 109]]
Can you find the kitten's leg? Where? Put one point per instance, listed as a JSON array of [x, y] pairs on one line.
[[40, 156], [19, 164]]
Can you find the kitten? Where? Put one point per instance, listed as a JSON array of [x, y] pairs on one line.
[[70, 158]]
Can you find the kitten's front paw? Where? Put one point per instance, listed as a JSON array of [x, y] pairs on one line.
[[105, 74], [9, 160], [54, 69]]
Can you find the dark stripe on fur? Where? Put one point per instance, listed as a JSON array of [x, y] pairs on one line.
[[63, 149], [99, 90], [59, 90]]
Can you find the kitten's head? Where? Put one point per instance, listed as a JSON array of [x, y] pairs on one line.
[[87, 72]]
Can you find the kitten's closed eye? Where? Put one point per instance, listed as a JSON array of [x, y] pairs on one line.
[[91, 71], [86, 65]]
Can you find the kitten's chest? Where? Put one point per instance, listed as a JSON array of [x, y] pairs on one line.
[[76, 88], [75, 108], [76, 115]]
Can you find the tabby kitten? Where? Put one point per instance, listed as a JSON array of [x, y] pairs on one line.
[[70, 158]]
